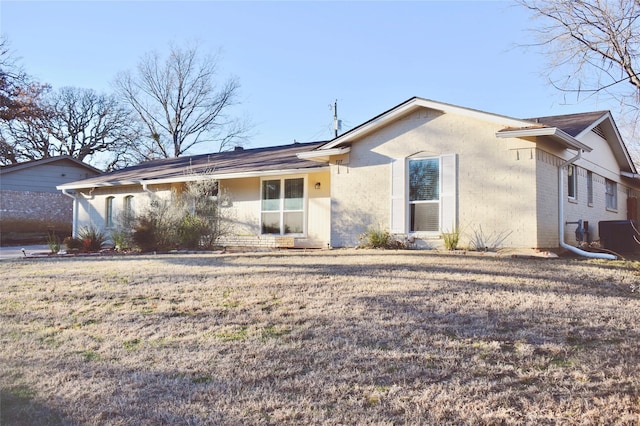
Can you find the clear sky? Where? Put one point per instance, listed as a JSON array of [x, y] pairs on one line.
[[294, 59]]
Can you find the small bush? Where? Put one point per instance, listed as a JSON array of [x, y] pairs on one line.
[[451, 239], [92, 239], [144, 234], [480, 241], [53, 241], [191, 230], [73, 244], [121, 238], [378, 238]]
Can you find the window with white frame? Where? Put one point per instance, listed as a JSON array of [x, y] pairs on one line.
[[611, 194], [589, 187], [424, 195], [108, 212], [572, 182], [282, 206], [128, 206]]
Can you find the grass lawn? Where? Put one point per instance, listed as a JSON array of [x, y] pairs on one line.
[[326, 337]]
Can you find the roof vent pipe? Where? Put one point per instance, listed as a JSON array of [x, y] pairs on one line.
[[561, 222]]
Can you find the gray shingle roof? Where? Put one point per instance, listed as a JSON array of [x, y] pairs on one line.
[[220, 163], [571, 124]]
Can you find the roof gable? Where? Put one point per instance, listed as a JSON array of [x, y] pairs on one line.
[[9, 168], [409, 106], [564, 129]]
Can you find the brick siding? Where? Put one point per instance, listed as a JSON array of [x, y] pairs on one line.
[[34, 211]]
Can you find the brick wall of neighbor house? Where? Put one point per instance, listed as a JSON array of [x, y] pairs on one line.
[[496, 178], [35, 212]]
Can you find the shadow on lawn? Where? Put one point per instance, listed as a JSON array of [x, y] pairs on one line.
[[491, 274], [17, 407]]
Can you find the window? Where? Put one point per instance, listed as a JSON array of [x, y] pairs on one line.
[[572, 180], [424, 195], [589, 187], [611, 194], [108, 213], [128, 208], [282, 206]]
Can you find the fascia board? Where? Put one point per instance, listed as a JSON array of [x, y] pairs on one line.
[[545, 131], [323, 153], [180, 179], [623, 148]]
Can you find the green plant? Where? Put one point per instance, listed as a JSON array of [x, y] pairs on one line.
[[378, 238], [121, 238], [53, 241], [92, 239], [451, 239], [191, 230]]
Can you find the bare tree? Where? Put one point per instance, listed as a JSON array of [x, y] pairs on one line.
[[76, 122], [181, 102], [593, 45]]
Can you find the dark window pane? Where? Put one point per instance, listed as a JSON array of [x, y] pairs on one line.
[[424, 180]]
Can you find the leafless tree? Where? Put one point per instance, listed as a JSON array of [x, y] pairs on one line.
[[181, 101], [76, 122], [593, 47]]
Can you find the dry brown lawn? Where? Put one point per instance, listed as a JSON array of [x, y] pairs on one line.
[[327, 337]]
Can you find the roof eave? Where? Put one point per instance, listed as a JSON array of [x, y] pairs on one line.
[[552, 132], [323, 155], [181, 179]]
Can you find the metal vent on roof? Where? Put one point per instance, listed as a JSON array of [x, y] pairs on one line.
[[598, 131]]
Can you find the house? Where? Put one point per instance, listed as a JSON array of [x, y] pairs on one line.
[[420, 169], [29, 200]]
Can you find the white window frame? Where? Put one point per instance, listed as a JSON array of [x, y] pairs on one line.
[[611, 194], [281, 209], [589, 188], [399, 215], [572, 182], [108, 211], [438, 201]]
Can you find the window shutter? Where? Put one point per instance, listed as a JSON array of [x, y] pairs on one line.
[[397, 219], [449, 192]]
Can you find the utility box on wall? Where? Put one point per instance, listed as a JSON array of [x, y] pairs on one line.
[[618, 235]]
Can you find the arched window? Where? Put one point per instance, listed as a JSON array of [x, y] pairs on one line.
[[108, 212], [129, 212]]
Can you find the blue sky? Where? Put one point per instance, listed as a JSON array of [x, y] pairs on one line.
[[294, 59]]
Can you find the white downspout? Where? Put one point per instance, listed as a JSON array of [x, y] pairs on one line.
[[561, 215], [74, 220]]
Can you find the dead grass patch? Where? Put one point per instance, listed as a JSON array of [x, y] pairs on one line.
[[337, 337]]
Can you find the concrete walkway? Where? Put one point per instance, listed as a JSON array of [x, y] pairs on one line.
[[16, 252]]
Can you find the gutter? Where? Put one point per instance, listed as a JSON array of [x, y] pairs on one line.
[[630, 175], [561, 223]]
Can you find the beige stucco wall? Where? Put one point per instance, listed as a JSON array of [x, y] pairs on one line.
[[496, 178]]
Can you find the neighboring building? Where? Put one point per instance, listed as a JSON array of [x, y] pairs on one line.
[[419, 169], [29, 200]]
